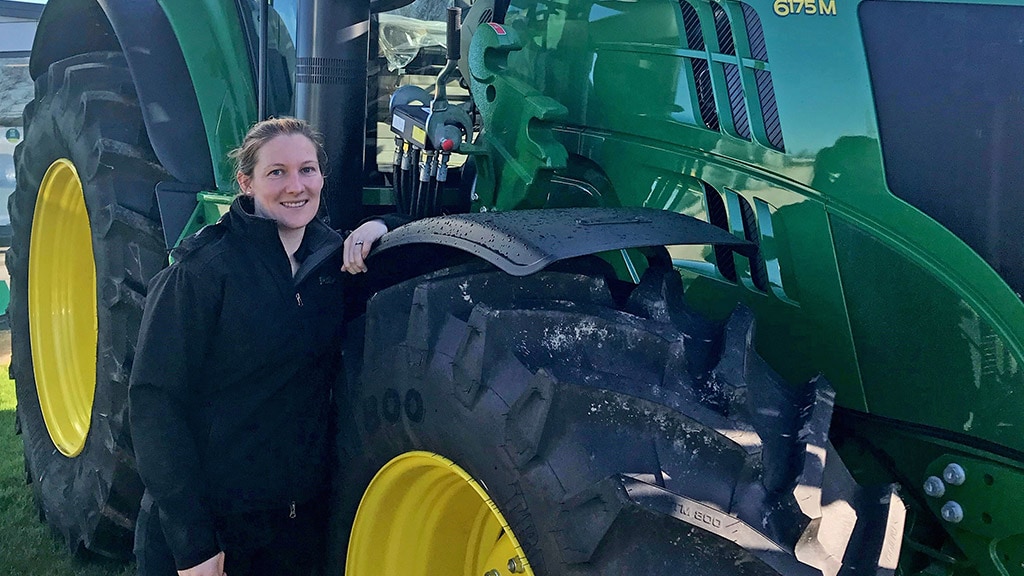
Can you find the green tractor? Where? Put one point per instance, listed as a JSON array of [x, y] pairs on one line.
[[555, 369]]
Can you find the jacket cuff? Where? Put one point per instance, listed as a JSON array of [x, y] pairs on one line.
[[392, 220], [190, 536], [195, 558]]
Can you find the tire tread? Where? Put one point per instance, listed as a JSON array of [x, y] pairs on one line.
[[86, 110], [604, 417]]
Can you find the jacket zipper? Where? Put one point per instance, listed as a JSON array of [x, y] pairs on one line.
[[298, 298], [291, 509]]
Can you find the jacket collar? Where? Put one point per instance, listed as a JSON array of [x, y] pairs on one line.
[[260, 232], [319, 242]]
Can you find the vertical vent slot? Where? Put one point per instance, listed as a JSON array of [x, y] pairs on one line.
[[691, 24], [763, 78], [769, 109], [742, 54], [705, 94], [755, 34], [718, 216], [737, 103], [726, 44], [758, 270], [733, 80], [701, 70]]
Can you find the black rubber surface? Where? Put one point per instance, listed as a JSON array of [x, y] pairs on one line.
[[522, 242], [617, 436], [86, 110]]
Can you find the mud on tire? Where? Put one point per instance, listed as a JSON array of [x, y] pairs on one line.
[[86, 111], [616, 439]]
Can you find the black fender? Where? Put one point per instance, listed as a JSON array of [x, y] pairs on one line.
[[521, 242], [138, 28]]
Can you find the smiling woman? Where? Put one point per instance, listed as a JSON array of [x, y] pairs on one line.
[[285, 180], [285, 187], [287, 175], [239, 345], [232, 451]]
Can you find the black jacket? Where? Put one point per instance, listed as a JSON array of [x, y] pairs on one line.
[[230, 386]]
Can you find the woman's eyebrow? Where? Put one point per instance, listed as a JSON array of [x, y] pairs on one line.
[[283, 165]]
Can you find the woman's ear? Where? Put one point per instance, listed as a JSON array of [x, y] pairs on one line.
[[243, 183]]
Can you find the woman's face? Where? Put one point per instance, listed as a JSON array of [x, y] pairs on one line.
[[286, 181]]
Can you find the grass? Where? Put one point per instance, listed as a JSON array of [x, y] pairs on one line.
[[26, 546]]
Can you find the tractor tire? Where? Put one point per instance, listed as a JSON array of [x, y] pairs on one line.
[[599, 435], [87, 240]]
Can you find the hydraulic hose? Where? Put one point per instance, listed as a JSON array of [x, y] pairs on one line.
[[438, 183], [429, 208], [396, 174], [409, 164], [423, 187]]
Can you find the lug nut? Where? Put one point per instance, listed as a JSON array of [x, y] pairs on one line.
[[934, 487], [492, 573], [954, 474], [952, 512], [515, 565]]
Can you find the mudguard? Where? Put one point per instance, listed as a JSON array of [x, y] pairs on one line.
[[167, 97], [522, 242]]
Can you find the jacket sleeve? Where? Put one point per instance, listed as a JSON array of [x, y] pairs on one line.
[[394, 220], [173, 338], [391, 220]]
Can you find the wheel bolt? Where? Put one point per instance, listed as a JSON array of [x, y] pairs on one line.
[[952, 512], [934, 487], [515, 565], [492, 573], [954, 474]]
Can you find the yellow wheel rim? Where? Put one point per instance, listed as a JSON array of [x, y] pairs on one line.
[[423, 514], [62, 308]]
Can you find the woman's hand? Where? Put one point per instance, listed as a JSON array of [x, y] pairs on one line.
[[212, 567], [358, 244]]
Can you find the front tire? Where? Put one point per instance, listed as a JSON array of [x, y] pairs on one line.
[[86, 242], [613, 442]]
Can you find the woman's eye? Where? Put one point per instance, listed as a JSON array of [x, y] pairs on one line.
[[309, 170], [275, 172]]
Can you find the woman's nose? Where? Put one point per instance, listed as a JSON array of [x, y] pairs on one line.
[[293, 183]]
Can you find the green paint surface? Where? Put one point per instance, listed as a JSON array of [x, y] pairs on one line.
[[617, 120], [667, 104], [213, 45]]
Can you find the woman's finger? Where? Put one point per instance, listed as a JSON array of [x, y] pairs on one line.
[[353, 255], [359, 243], [359, 251]]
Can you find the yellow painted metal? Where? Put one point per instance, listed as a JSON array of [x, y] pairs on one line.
[[62, 307], [423, 514]]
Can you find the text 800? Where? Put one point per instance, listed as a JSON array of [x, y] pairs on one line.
[[808, 7]]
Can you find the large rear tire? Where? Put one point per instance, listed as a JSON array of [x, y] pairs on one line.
[[86, 241], [612, 442]]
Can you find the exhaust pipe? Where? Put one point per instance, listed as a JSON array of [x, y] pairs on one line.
[[331, 48]]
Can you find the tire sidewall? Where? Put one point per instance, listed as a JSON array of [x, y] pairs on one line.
[[75, 493]]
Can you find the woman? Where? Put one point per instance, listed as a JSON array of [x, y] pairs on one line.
[[239, 344]]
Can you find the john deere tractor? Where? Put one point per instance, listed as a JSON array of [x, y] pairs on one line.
[[554, 369]]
